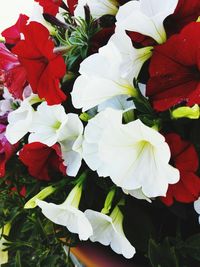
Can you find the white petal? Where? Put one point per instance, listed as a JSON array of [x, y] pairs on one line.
[[102, 228], [19, 123], [72, 159], [121, 245]]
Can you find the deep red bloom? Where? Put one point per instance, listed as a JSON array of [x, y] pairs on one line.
[[44, 67], [184, 158], [42, 161], [175, 70], [6, 150], [185, 12], [13, 74], [50, 6], [12, 34]]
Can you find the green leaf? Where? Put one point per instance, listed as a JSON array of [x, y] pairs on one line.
[[18, 259], [192, 246], [162, 255]]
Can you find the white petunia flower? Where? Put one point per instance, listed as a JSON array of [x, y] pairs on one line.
[[197, 207], [108, 230], [4, 254], [97, 8], [20, 120], [133, 155], [146, 17], [68, 214], [49, 124], [109, 73]]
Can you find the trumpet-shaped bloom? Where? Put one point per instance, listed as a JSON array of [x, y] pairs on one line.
[[20, 120], [68, 214], [108, 230], [109, 73], [133, 155], [97, 8], [146, 17]]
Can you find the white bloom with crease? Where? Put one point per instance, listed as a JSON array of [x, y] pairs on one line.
[[20, 120], [97, 8], [146, 17], [71, 146], [109, 73], [133, 155], [49, 124], [92, 136], [108, 230], [68, 214]]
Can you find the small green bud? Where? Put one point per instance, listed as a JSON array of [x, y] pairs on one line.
[[108, 201], [186, 112], [85, 117], [31, 204]]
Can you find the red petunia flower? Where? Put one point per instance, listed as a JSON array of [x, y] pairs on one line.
[[184, 158], [50, 6], [175, 70], [13, 74], [12, 34], [42, 161], [6, 150], [44, 67]]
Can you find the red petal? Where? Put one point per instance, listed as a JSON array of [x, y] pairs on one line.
[[12, 34]]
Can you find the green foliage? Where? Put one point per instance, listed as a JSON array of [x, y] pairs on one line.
[[162, 255]]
